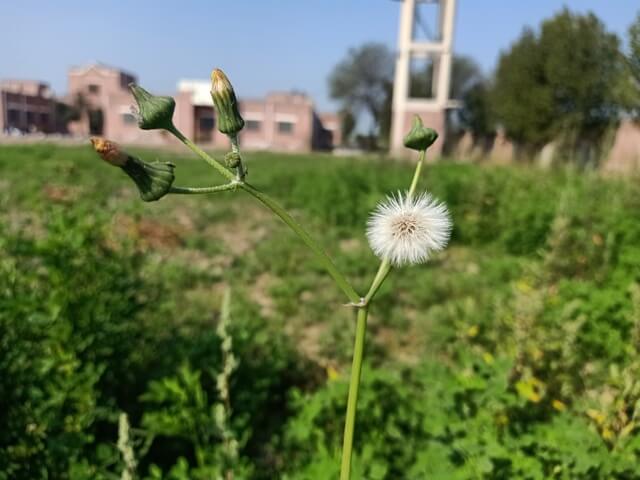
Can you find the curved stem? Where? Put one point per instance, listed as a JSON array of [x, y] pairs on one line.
[[354, 387], [358, 350], [199, 190], [381, 275], [326, 261], [203, 155], [385, 265]]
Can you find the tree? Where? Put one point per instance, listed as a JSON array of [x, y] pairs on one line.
[[347, 125], [363, 80], [560, 82], [632, 87], [476, 114], [634, 49], [465, 74]]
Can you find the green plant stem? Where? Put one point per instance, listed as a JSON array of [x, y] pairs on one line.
[[358, 349], [416, 173], [241, 172], [381, 274], [385, 265], [203, 155], [322, 256], [354, 386], [200, 190], [276, 208]]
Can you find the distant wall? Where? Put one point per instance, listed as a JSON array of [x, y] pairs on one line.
[[624, 155]]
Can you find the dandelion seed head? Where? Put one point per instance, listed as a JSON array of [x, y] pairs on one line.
[[408, 229]]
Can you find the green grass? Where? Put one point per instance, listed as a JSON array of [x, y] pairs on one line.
[[481, 362]]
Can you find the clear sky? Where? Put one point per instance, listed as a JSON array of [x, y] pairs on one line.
[[263, 45]]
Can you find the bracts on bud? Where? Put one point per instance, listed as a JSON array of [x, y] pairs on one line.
[[154, 180], [226, 104], [420, 137], [154, 112]]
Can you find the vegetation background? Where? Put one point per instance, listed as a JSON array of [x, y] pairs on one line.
[[512, 355]]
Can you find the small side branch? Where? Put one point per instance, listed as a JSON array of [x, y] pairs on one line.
[[201, 190]]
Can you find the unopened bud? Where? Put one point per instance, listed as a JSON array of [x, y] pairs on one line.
[[154, 112], [232, 159], [109, 151], [224, 99], [420, 137], [153, 180]]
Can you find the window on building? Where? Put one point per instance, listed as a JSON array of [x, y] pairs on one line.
[[206, 123], [253, 125], [129, 118], [285, 127], [13, 116], [94, 88]]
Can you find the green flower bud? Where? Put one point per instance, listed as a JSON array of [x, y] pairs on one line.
[[232, 159], [153, 180], [154, 112], [224, 99], [420, 137]]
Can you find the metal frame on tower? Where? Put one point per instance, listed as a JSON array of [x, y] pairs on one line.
[[436, 47]]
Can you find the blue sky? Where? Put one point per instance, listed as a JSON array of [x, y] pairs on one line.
[[262, 44]]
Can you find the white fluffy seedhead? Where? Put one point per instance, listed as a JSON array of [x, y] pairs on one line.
[[407, 229]]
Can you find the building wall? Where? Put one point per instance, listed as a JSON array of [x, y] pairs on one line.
[[26, 105], [106, 89], [625, 152], [3, 112], [331, 122], [280, 121]]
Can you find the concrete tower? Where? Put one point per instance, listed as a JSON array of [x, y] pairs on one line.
[[423, 69]]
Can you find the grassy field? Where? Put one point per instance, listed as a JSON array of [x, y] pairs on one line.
[[511, 355]]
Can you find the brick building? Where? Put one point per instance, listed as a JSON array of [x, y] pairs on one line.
[[26, 106], [280, 121]]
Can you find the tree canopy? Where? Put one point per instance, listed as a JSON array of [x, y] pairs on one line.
[[561, 79], [363, 79]]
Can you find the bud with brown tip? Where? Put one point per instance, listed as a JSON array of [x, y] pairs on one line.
[[224, 99], [154, 180], [109, 151]]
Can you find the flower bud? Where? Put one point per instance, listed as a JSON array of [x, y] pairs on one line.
[[153, 180], [154, 112], [232, 159], [420, 137], [109, 151], [224, 99]]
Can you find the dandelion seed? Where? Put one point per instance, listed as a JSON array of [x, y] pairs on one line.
[[407, 229]]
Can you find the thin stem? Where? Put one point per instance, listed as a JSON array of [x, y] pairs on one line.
[[383, 271], [202, 154], [358, 349], [354, 386], [416, 174], [385, 265], [326, 261], [200, 190], [241, 172]]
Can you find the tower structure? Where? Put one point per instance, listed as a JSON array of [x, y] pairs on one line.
[[423, 69]]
